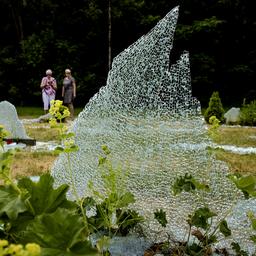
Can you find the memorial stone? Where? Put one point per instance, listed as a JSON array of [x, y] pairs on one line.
[[232, 116], [9, 119]]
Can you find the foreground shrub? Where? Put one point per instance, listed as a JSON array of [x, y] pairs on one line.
[[112, 216], [30, 249], [215, 108], [248, 114], [203, 233], [36, 212]]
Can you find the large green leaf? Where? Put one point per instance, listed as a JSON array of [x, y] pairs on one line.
[[252, 218], [246, 181], [59, 233], [11, 202], [43, 197], [187, 183], [247, 184], [201, 216], [224, 229], [160, 216], [127, 220], [16, 228], [253, 238], [82, 248], [125, 199], [236, 247]]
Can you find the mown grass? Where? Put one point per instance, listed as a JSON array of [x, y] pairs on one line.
[[244, 164], [42, 132], [36, 163], [238, 136], [28, 163], [29, 112]]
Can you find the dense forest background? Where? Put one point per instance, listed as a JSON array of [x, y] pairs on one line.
[[41, 34]]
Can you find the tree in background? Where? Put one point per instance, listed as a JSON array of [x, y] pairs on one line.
[[248, 113], [215, 108], [59, 34]]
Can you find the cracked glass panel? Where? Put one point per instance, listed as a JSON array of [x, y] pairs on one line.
[[153, 126]]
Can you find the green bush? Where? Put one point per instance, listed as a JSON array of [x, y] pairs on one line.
[[248, 114], [215, 108]]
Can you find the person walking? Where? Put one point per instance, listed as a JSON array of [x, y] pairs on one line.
[[69, 92], [49, 87]]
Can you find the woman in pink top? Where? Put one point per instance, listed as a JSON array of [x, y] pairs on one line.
[[49, 87]]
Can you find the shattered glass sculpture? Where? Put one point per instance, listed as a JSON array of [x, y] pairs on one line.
[[9, 119], [147, 117]]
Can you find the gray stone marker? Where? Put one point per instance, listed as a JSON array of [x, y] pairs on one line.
[[232, 116], [9, 119]]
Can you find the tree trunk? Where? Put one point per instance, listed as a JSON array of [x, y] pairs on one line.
[[17, 22], [109, 35]]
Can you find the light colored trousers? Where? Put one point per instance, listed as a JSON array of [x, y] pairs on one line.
[[47, 99]]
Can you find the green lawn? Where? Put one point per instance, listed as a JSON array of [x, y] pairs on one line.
[[237, 136], [240, 137], [29, 112], [35, 112]]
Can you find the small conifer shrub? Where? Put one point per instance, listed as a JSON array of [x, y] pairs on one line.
[[215, 108]]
